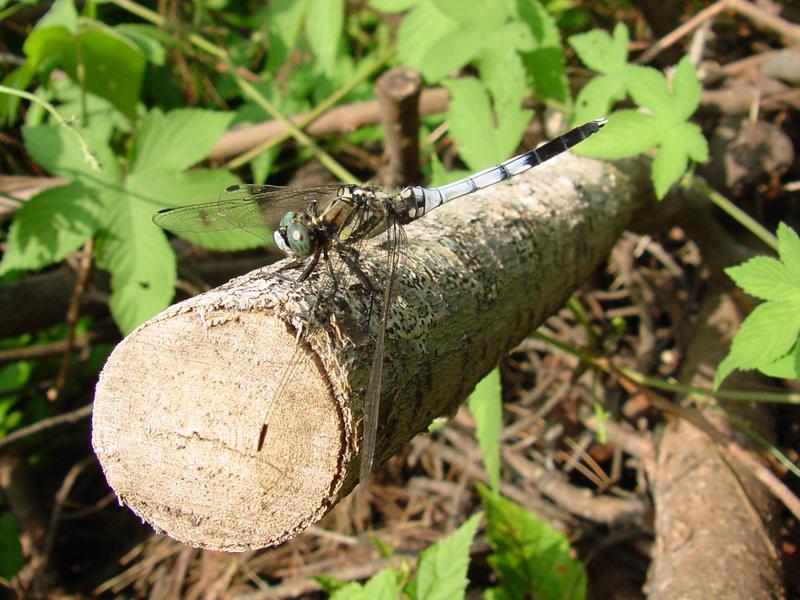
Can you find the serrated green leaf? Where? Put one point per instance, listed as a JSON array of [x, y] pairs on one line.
[[146, 38], [627, 133], [597, 97], [548, 78], [789, 251], [57, 150], [598, 51], [767, 333], [670, 163], [695, 142], [393, 6], [486, 406], [470, 13], [324, 20], [530, 558], [381, 586], [49, 227], [648, 88], [472, 124], [140, 260], [11, 558], [504, 76], [686, 88], [419, 31], [178, 139], [452, 51], [786, 367], [764, 278], [284, 24], [442, 568], [541, 23]]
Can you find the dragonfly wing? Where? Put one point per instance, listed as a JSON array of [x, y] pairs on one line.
[[242, 206], [396, 241]]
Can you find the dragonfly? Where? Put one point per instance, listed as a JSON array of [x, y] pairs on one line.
[[316, 224]]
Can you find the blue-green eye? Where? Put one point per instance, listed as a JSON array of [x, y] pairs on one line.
[[286, 219], [300, 241]]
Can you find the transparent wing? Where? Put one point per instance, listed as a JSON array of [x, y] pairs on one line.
[[242, 206], [395, 246]]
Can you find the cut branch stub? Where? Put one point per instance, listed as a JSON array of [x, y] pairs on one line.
[[181, 403]]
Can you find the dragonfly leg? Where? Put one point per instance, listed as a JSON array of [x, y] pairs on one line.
[[310, 266], [350, 258]]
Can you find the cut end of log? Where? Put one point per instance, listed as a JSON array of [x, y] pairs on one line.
[[183, 428]]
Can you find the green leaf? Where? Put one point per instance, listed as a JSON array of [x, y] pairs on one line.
[[57, 150], [146, 38], [284, 24], [531, 559], [178, 139], [767, 334], [686, 89], [548, 78], [11, 559], [486, 15], [324, 21], [540, 22], [113, 65], [789, 251], [695, 142], [452, 51], [786, 367], [62, 13], [486, 406], [627, 133], [49, 227], [419, 31], [597, 97], [598, 51], [140, 259], [669, 163], [764, 278], [442, 568], [393, 6], [20, 78], [648, 88], [504, 76], [46, 45], [381, 586], [472, 126]]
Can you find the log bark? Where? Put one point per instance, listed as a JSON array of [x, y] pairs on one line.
[[180, 404], [714, 520]]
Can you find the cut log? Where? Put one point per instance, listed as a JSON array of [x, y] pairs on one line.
[[181, 405]]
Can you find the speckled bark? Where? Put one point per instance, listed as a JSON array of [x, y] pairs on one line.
[[180, 404]]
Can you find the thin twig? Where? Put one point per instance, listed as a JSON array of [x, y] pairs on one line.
[[67, 418], [73, 313]]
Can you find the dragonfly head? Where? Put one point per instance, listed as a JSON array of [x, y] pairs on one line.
[[293, 236]]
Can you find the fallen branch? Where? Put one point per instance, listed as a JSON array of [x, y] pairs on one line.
[[181, 402]]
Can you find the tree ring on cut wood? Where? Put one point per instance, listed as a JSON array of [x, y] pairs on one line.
[[166, 392]]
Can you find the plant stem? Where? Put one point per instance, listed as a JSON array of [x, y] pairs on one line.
[[736, 213], [247, 88], [309, 117], [87, 153], [669, 386]]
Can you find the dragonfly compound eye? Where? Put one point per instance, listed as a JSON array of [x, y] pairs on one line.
[[300, 240]]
